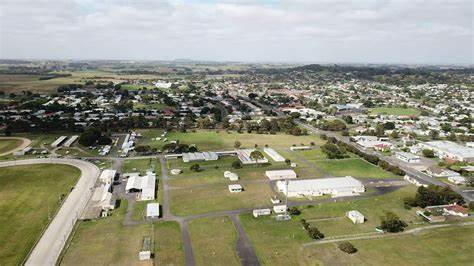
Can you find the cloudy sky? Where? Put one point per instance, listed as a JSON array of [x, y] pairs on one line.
[[363, 31]]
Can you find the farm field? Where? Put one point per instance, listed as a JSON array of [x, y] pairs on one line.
[[213, 241], [29, 196], [443, 246], [9, 144], [278, 243], [207, 140], [399, 111]]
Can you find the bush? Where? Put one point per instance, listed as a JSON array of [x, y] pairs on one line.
[[428, 153], [195, 167], [333, 151], [294, 211], [347, 247], [236, 164], [314, 233], [390, 222], [287, 161]]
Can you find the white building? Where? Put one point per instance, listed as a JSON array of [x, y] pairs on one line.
[[279, 208], [58, 141], [300, 148], [408, 157], [274, 155], [231, 176], [244, 157], [71, 140], [336, 186], [450, 150], [260, 212], [457, 180], [356, 217], [281, 174], [107, 176], [235, 188], [415, 181], [153, 210], [145, 185], [199, 156]]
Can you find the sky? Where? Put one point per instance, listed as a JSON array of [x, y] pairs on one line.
[[307, 31]]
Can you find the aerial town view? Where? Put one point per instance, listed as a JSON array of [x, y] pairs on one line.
[[252, 132]]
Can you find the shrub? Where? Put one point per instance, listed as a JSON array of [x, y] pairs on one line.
[[294, 211], [428, 153], [347, 247], [236, 164], [195, 167], [314, 233]]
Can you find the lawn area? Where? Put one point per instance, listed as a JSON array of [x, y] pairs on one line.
[[216, 197], [106, 240], [141, 165], [214, 241], [212, 172], [168, 244], [354, 167], [443, 246], [210, 140], [395, 111], [150, 106], [29, 195], [278, 243], [9, 144]]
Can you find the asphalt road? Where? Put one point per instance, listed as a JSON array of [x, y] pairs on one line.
[[49, 247]]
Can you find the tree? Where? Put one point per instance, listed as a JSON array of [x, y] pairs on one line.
[[333, 151], [428, 153], [256, 155], [434, 134], [237, 144], [236, 164], [195, 167], [89, 137], [314, 233], [390, 222], [347, 247]]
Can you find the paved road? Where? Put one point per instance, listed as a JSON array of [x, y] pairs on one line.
[[244, 246], [24, 143], [48, 248]]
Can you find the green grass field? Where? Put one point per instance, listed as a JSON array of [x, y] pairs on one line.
[[214, 241], [444, 246], [29, 196], [278, 243], [110, 242], [353, 167], [210, 140], [141, 165], [9, 144], [394, 111]]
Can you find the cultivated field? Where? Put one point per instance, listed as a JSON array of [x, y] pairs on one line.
[[29, 198]]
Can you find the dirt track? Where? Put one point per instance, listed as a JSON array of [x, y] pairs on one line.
[[25, 143]]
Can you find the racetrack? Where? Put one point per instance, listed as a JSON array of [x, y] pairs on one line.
[[24, 143], [49, 247]]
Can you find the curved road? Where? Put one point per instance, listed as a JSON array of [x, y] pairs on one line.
[[25, 143], [49, 247]]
